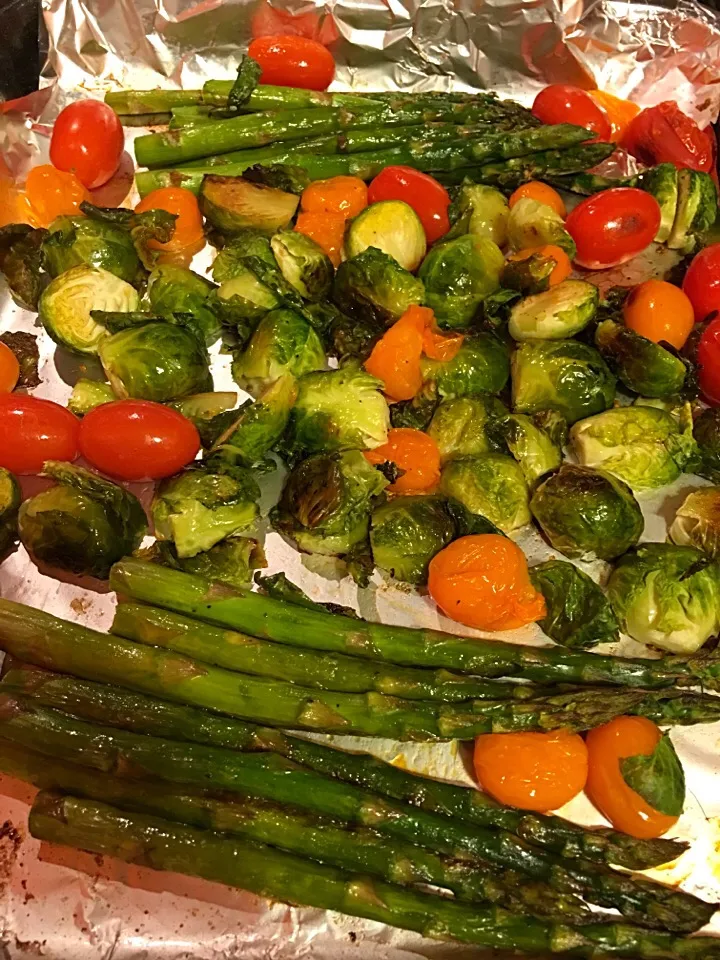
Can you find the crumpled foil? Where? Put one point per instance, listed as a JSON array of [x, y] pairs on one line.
[[66, 905]]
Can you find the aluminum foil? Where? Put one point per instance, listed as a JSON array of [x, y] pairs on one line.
[[67, 905]]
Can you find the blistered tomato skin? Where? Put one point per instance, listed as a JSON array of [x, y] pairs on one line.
[[664, 134], [702, 282], [33, 430], [613, 226]]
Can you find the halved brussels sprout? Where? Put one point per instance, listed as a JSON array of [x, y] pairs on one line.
[[481, 366], [303, 263], [231, 205], [210, 412], [173, 289], [88, 394], [558, 313], [535, 224], [65, 306], [257, 426], [72, 241], [10, 498], [284, 342], [531, 445], [662, 182], [233, 561], [491, 485], [407, 532], [696, 209], [374, 287], [458, 275], [707, 436], [479, 210], [393, 227], [578, 612], [641, 365], [563, 375], [528, 276], [467, 426], [697, 522], [587, 514]]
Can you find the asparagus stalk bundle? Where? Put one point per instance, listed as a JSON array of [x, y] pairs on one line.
[[263, 616], [115, 707]]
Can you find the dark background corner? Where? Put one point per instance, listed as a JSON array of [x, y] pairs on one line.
[[22, 55]]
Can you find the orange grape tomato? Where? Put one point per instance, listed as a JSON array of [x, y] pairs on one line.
[[13, 206], [532, 771], [326, 229], [535, 190], [52, 193], [563, 267], [483, 582], [395, 358], [415, 453], [659, 310], [189, 222], [618, 111], [9, 369], [344, 195], [606, 787]]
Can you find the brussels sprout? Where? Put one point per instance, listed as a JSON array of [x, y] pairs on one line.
[[374, 287], [558, 313], [391, 226], [303, 263], [326, 502], [458, 275], [203, 505], [641, 445], [229, 263], [246, 296], [172, 289], [554, 425], [491, 485], [481, 211], [578, 612], [697, 522], [641, 365], [535, 224], [696, 209], [65, 306], [587, 514], [231, 561], [72, 241], [85, 524], [10, 498], [146, 228], [156, 361], [353, 338], [467, 426], [707, 435], [565, 375], [88, 394], [667, 596], [212, 413], [232, 204], [25, 348], [22, 262], [531, 446], [481, 365], [284, 342], [662, 182], [407, 532], [418, 412], [257, 426], [341, 409], [527, 276]]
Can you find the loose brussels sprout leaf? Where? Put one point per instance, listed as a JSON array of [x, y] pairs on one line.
[[658, 777], [247, 78], [667, 596], [491, 485], [10, 498], [391, 226], [22, 261], [25, 348], [697, 522], [326, 502], [529, 275], [418, 412], [88, 394], [578, 612], [244, 298], [467, 426], [67, 302], [535, 224], [341, 409], [469, 524], [303, 263], [157, 361], [85, 524], [202, 506], [496, 313], [531, 446], [481, 211], [707, 435], [565, 375], [279, 587], [458, 275], [72, 241], [587, 514], [232, 561], [230, 262], [270, 275], [696, 209], [481, 366], [558, 313], [359, 562], [642, 366], [407, 532], [231, 204], [282, 176], [172, 289], [641, 445], [375, 288], [662, 182], [258, 426], [284, 342], [354, 338]]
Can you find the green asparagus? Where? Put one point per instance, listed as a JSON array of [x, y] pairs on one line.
[[138, 102], [538, 166]]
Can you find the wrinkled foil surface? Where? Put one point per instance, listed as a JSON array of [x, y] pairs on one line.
[[65, 905]]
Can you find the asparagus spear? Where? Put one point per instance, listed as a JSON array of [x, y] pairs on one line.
[[538, 166], [114, 707], [271, 777], [287, 623], [137, 102]]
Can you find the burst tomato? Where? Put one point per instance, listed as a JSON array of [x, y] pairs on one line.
[[663, 134], [189, 223], [51, 193], [345, 196], [612, 227], [415, 453]]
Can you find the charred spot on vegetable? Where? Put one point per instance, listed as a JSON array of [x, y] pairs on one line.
[[529, 275], [658, 778], [248, 75], [279, 587], [25, 348], [282, 176], [22, 262], [647, 368], [418, 412]]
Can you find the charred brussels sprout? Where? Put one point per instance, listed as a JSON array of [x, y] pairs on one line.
[[481, 365], [667, 596], [641, 365], [391, 226], [374, 287], [531, 445], [407, 532], [257, 426], [84, 525], [172, 289], [303, 263], [558, 313], [662, 182], [535, 224], [587, 514], [156, 361], [697, 522], [467, 426], [66, 304], [326, 503], [492, 486], [707, 436], [27, 354], [231, 561], [9, 505], [72, 241], [22, 262], [697, 207], [232, 204], [565, 375], [88, 394], [481, 211], [458, 275], [578, 612], [284, 342], [529, 275]]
